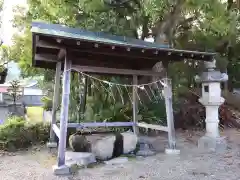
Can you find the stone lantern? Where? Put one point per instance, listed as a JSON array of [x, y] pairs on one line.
[[211, 98]]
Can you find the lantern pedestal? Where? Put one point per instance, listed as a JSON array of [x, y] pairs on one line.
[[211, 99]]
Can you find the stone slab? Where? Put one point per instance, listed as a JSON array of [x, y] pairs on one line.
[[172, 151], [80, 158], [52, 145], [116, 161], [61, 170], [130, 142], [74, 161], [211, 144]]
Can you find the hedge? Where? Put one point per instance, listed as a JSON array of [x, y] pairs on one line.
[[17, 133]]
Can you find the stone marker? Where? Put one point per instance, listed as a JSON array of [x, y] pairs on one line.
[[130, 141], [104, 148], [211, 98]]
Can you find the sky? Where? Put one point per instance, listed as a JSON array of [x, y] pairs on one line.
[[7, 30]]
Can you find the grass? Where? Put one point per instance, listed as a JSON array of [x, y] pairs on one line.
[[35, 113]]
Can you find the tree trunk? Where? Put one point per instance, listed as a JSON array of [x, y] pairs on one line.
[[164, 30]]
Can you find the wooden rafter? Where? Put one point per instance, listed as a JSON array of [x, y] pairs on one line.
[[104, 70]]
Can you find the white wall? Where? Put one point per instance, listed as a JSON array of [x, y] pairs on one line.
[[31, 91]]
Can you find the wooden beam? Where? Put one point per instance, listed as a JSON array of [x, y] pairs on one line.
[[169, 113], [47, 60], [45, 44], [93, 69], [51, 64], [84, 61], [134, 61], [101, 124], [37, 38], [120, 51], [107, 50], [125, 54], [87, 59], [152, 126], [45, 57]]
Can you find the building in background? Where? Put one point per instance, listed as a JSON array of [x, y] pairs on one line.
[[3, 90], [32, 94]]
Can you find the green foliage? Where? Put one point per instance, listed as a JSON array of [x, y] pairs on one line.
[[47, 106], [2, 68], [5, 53], [153, 112], [116, 112], [108, 103], [16, 133], [75, 102], [97, 111], [1, 9]]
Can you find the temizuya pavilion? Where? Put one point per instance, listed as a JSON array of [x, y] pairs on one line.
[[63, 48]]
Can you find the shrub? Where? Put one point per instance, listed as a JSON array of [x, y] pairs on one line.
[[17, 133], [47, 103]]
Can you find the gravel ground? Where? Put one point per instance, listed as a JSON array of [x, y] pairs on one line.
[[189, 165]]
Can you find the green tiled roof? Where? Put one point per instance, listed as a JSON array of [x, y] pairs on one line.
[[80, 34]]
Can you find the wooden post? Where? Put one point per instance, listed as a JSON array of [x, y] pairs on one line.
[[135, 104], [1, 97], [64, 112], [83, 97], [55, 100], [169, 112]]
